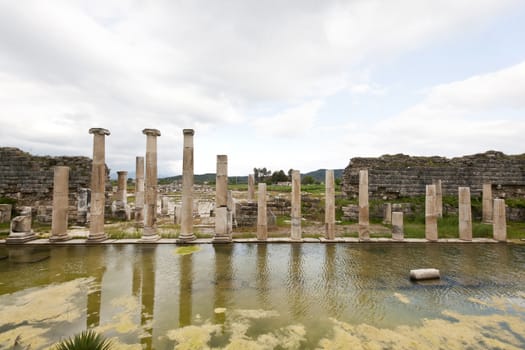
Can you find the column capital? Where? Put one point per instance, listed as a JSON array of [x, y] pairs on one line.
[[122, 172], [151, 132], [188, 132], [99, 131]]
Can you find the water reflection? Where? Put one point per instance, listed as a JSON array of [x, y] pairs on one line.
[[223, 280], [185, 291], [96, 267]]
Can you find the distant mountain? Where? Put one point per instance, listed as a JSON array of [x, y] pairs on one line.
[[318, 175]]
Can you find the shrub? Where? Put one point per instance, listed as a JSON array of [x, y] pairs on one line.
[[87, 340]]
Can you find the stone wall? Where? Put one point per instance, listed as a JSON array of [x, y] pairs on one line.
[[395, 176], [29, 180]]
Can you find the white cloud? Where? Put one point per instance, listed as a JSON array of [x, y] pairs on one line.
[[291, 122]]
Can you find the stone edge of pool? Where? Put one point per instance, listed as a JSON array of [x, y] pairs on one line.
[[45, 241]]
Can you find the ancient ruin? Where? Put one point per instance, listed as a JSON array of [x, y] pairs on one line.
[[60, 205], [329, 218], [431, 229], [296, 218], [186, 228], [364, 224], [149, 233]]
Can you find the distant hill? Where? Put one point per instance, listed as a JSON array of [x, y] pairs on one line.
[[318, 175]]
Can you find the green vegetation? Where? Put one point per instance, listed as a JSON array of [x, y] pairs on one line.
[[87, 340]]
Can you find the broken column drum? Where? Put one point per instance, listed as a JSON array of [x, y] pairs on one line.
[[223, 215], [329, 218], [397, 226], [364, 223], [487, 203], [20, 230], [186, 226], [60, 204], [499, 221], [149, 232], [98, 185], [465, 214]]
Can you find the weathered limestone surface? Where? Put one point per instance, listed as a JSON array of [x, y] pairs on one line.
[[251, 187], [394, 176], [98, 185], [329, 217], [296, 232], [465, 214], [29, 179], [122, 210], [487, 203], [431, 230], [262, 221], [149, 233], [439, 198], [499, 221], [60, 204], [20, 230], [186, 226], [5, 212], [398, 231], [223, 202], [387, 217], [139, 191], [364, 223]]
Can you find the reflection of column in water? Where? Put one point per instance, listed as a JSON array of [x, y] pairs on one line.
[[331, 298], [147, 287], [295, 282], [262, 275], [186, 281], [223, 279], [96, 267]]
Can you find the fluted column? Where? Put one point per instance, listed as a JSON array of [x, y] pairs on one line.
[[149, 234], [139, 191], [186, 226], [329, 212], [465, 214], [364, 223], [296, 206], [262, 220], [487, 203], [98, 185], [431, 230], [60, 204]]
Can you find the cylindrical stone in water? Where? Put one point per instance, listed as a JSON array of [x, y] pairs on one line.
[[465, 214], [296, 205], [487, 203], [60, 204], [262, 221], [329, 205], [431, 231], [398, 232], [364, 223], [499, 223], [424, 274]]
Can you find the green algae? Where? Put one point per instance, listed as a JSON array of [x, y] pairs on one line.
[[185, 250]]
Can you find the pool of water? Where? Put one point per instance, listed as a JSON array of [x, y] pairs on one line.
[[265, 296]]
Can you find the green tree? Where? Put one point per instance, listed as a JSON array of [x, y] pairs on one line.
[[279, 176], [308, 180]]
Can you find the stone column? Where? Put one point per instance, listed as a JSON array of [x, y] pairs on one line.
[[329, 212], [186, 225], [364, 224], [121, 202], [465, 214], [387, 217], [222, 210], [60, 204], [149, 234], [296, 206], [431, 230], [398, 231], [439, 198], [139, 191], [251, 188], [487, 203], [20, 230], [98, 186], [164, 205], [262, 220], [499, 221]]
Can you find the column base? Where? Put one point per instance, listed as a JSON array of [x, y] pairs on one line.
[[96, 237], [222, 239], [20, 237], [149, 239], [186, 237], [59, 238]]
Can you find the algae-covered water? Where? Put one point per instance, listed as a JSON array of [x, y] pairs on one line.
[[265, 296]]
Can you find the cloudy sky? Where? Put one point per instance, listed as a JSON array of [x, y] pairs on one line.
[[299, 84]]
